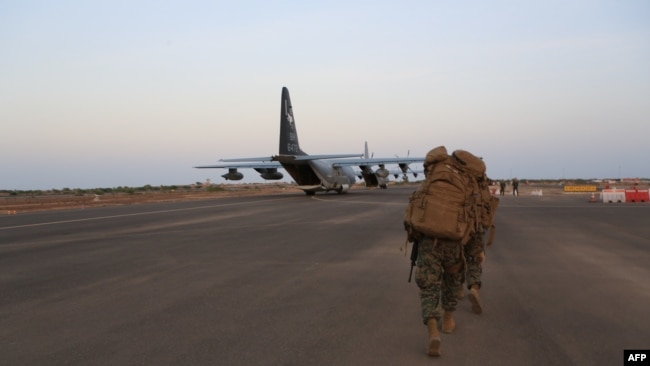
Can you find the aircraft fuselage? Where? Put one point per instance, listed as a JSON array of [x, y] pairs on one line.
[[319, 174]]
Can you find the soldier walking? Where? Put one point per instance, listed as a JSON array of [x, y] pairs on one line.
[[439, 272], [439, 223]]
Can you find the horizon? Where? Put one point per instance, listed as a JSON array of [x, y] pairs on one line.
[[636, 180]]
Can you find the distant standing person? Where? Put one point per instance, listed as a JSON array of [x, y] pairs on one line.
[[515, 187], [502, 188]]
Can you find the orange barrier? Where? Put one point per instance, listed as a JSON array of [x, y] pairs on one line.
[[634, 195]]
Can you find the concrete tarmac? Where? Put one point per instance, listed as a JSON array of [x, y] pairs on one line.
[[288, 279]]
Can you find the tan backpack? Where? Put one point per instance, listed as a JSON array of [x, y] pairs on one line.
[[486, 203], [453, 201]]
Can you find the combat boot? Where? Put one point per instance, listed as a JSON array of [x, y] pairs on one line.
[[448, 323], [434, 338], [475, 300]]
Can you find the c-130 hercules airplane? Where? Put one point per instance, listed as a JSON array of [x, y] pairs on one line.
[[313, 173]]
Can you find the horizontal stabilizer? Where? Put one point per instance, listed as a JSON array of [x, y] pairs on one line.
[[264, 158], [321, 157], [258, 165]]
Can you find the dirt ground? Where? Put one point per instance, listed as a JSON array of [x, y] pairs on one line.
[[25, 203]]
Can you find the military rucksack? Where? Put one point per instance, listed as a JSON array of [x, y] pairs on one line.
[[487, 207], [486, 203], [454, 201]]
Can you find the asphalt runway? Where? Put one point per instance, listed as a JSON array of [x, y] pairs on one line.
[[294, 280]]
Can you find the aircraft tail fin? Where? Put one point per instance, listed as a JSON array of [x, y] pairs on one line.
[[288, 136]]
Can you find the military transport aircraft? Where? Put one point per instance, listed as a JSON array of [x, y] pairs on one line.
[[313, 173]]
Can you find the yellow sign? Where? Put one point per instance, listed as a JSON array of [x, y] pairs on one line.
[[580, 188]]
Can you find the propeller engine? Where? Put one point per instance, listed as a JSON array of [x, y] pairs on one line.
[[269, 173], [382, 172], [233, 174]]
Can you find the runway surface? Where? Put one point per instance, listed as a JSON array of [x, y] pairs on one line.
[[294, 280]]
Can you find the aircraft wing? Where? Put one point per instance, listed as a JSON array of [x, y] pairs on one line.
[[267, 169], [267, 166], [376, 161]]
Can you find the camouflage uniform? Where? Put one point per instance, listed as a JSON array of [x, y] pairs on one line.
[[438, 275], [474, 255], [475, 247]]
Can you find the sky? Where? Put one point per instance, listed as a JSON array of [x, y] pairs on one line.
[[129, 93]]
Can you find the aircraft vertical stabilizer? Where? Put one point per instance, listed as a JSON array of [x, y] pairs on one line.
[[288, 136]]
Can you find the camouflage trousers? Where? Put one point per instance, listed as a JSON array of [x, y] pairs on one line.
[[439, 273], [474, 254]]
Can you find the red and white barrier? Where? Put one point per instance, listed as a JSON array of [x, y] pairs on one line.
[[626, 195]]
